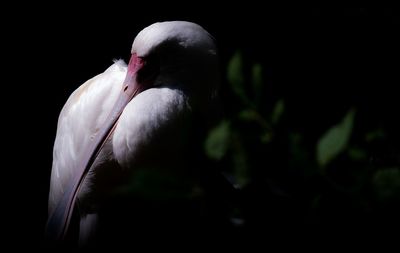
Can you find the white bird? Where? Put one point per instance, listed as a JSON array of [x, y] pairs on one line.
[[130, 117]]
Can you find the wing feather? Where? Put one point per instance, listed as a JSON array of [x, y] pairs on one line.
[[81, 117], [152, 123]]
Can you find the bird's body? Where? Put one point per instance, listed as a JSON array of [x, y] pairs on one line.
[[151, 132], [79, 121]]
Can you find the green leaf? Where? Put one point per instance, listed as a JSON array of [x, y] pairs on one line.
[[357, 154], [257, 82], [266, 137], [249, 115], [254, 116], [156, 183], [239, 160], [386, 183], [235, 75], [335, 140], [375, 135], [278, 111], [217, 142]]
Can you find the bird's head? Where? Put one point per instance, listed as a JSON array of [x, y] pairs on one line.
[[175, 53]]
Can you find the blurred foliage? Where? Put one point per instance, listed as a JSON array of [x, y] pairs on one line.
[[257, 82], [387, 184], [335, 140], [217, 142], [284, 175], [281, 168], [158, 185], [235, 76]]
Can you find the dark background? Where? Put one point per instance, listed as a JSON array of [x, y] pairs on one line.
[[320, 61]]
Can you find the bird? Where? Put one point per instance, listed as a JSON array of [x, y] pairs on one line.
[[131, 117]]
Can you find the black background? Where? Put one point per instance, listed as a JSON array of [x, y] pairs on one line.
[[321, 60]]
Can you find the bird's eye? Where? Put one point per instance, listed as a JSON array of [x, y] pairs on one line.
[[150, 69]]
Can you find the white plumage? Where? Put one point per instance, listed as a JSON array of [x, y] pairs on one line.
[[84, 113], [175, 65]]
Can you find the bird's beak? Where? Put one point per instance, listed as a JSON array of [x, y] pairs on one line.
[[130, 88]]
